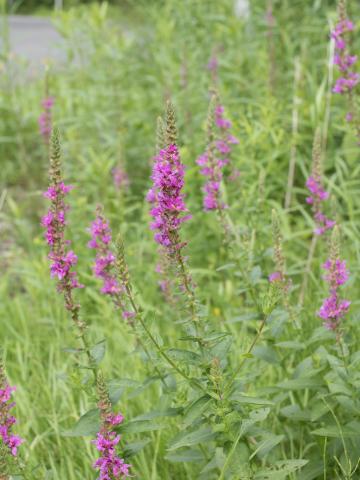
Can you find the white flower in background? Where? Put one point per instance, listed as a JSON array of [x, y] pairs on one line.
[[242, 9]]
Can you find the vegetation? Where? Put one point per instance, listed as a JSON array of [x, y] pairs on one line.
[[230, 342]]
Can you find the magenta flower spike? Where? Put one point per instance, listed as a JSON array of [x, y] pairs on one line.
[[216, 157], [318, 195], [103, 268], [167, 198], [45, 118], [62, 259], [120, 178], [7, 419], [109, 464], [349, 78], [334, 308]]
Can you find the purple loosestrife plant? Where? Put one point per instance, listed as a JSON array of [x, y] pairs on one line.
[[45, 118], [334, 308], [168, 199], [120, 178], [279, 277], [345, 62], [105, 263], [62, 260], [217, 156], [109, 464], [168, 207], [317, 193], [9, 442]]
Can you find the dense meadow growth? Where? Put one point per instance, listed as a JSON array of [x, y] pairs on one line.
[[179, 214]]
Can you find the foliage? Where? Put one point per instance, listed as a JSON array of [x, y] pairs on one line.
[[264, 390]]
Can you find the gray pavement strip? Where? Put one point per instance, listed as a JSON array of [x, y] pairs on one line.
[[34, 39]]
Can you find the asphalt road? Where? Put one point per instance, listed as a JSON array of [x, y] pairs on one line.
[[34, 39]]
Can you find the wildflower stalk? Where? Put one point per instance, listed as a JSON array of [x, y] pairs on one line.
[[279, 276], [317, 196], [294, 141], [62, 261], [345, 62], [168, 208], [9, 442], [334, 308], [246, 355], [270, 21]]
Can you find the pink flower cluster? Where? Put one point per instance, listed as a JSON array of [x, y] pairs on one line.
[[318, 195], [333, 308], [44, 120], [109, 464], [120, 178], [275, 277], [212, 164], [105, 259], [7, 420], [167, 198], [343, 60], [54, 223]]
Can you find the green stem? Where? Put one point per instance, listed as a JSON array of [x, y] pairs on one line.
[[250, 349], [158, 347]]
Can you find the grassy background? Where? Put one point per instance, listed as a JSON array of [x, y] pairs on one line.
[[121, 67]]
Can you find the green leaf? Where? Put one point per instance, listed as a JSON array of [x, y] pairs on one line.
[[88, 424], [248, 400], [131, 449], [281, 470], [266, 445], [186, 356], [98, 351], [267, 354], [168, 412], [140, 426], [291, 345], [195, 410], [301, 383], [186, 455], [333, 431], [255, 275], [187, 439], [117, 386], [255, 416], [225, 267], [294, 413]]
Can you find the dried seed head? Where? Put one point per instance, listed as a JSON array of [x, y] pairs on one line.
[[335, 243], [55, 155], [103, 395], [171, 131], [121, 265], [160, 135]]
